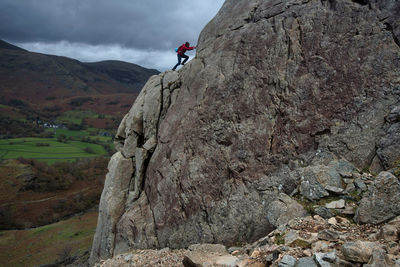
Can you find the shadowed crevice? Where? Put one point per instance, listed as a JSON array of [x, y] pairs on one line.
[[390, 29]]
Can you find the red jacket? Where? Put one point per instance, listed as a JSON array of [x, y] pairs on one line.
[[183, 48]]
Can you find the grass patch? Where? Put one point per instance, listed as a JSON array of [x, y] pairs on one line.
[[43, 245], [76, 116], [310, 206], [68, 133], [54, 151], [280, 239], [396, 166]]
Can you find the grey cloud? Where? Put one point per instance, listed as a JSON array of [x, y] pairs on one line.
[[161, 60], [149, 24]]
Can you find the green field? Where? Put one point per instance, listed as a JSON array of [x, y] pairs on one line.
[[48, 149], [69, 132], [47, 244], [76, 116]]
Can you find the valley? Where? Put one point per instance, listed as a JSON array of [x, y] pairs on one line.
[[58, 117]]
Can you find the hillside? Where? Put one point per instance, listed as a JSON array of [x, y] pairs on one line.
[[35, 194], [43, 81], [5, 45]]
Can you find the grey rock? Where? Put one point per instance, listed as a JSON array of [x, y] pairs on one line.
[[379, 258], [389, 232], [141, 155], [348, 210], [272, 257], [376, 166], [320, 246], [388, 146], [167, 249], [217, 248], [348, 180], [129, 144], [394, 115], [171, 80], [360, 184], [323, 212], [350, 188], [187, 262], [328, 235], [306, 262], [338, 204], [388, 150], [293, 239], [359, 251], [319, 259], [150, 144], [334, 189], [232, 249], [277, 91], [343, 263], [283, 210], [287, 261], [121, 129], [344, 168], [312, 191], [128, 257], [135, 228], [381, 202], [316, 178], [111, 206], [330, 257]]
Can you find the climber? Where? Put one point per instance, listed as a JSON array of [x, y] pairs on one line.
[[181, 53]]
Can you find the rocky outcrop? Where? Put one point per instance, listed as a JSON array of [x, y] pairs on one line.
[[381, 202], [112, 203], [284, 99], [297, 243]]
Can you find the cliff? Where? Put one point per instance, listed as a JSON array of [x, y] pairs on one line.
[[285, 103]]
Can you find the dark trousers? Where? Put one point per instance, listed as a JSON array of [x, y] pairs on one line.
[[179, 60]]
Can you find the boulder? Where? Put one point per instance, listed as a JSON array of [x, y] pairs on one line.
[[316, 179], [306, 262], [283, 210], [389, 233], [381, 202], [278, 90], [112, 205], [388, 147], [287, 261], [321, 259], [359, 251], [378, 259], [137, 227], [294, 239], [339, 204], [323, 212], [320, 246], [328, 235], [217, 248]]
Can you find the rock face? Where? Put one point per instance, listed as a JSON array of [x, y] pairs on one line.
[[381, 202], [277, 89]]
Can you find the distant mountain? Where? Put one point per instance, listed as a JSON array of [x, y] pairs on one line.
[[5, 45], [40, 79], [123, 72]]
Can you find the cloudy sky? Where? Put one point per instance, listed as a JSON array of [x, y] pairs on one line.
[[143, 32]]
